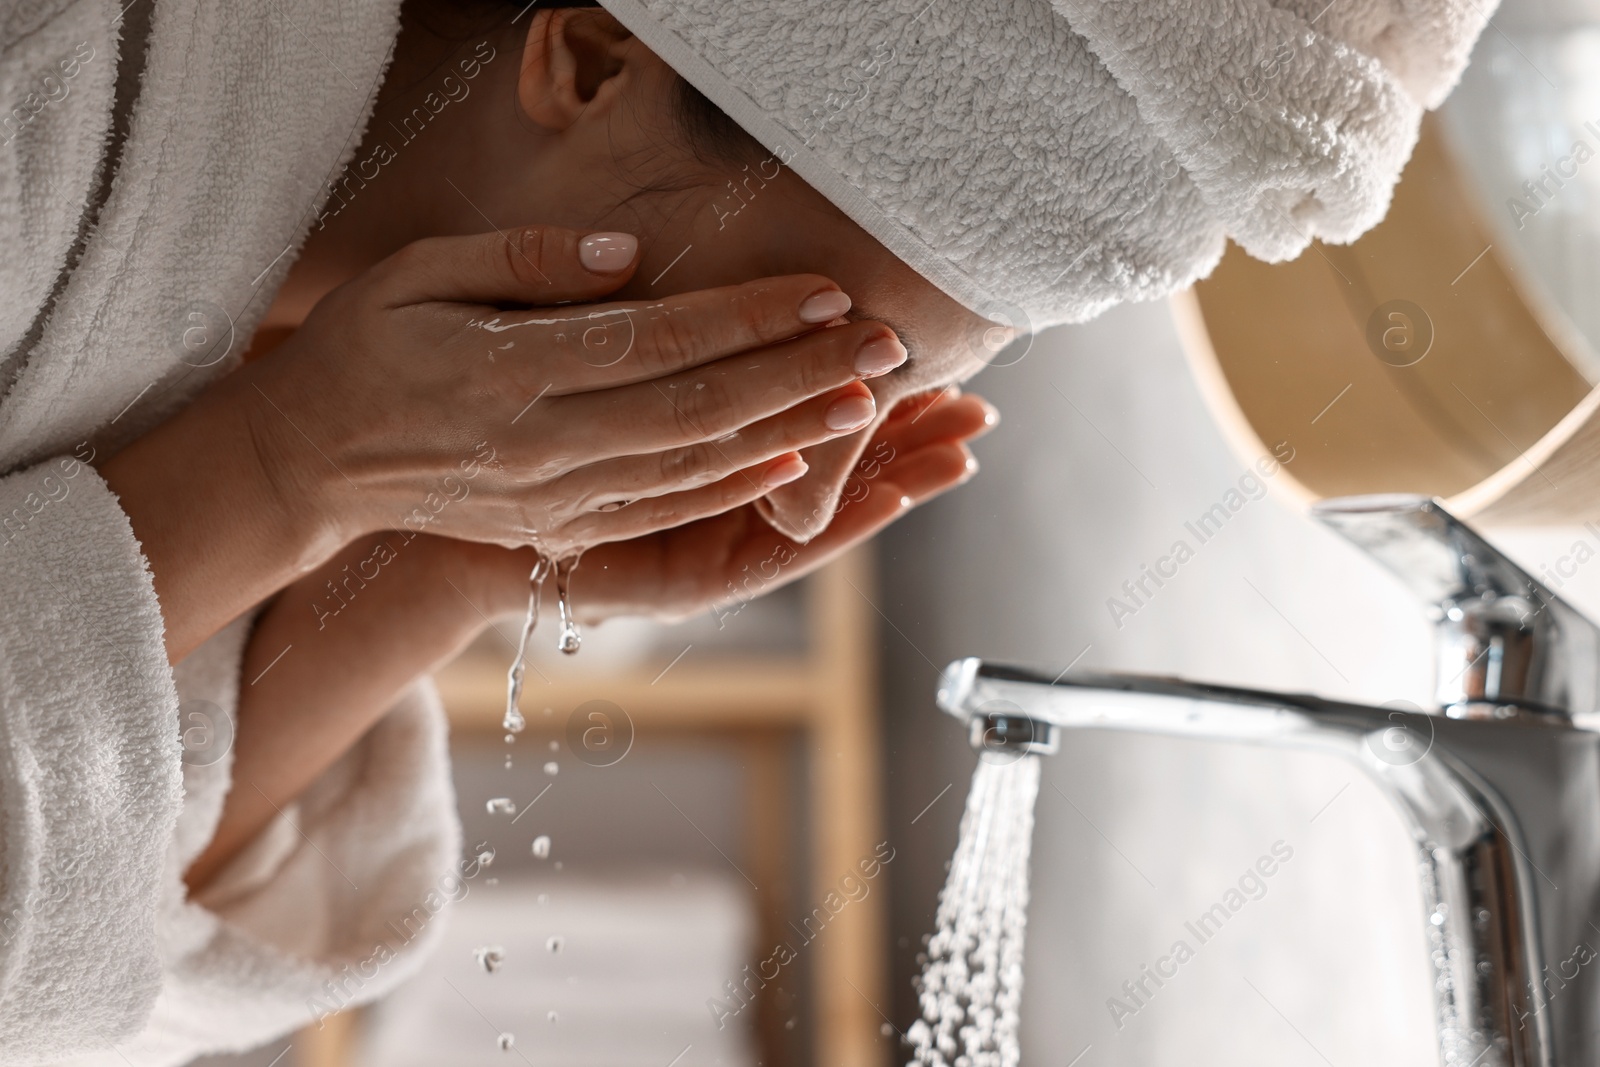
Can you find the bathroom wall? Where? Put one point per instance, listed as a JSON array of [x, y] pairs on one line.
[[1104, 453]]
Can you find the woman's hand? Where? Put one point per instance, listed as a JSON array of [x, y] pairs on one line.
[[408, 399], [410, 382], [722, 562], [399, 604]]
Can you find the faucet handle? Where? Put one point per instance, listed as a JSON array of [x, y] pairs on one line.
[[1504, 642]]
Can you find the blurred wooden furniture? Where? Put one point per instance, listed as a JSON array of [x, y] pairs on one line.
[[1417, 359], [327, 1045], [824, 699]]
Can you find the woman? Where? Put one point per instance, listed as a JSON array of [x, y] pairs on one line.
[[672, 439], [676, 366]]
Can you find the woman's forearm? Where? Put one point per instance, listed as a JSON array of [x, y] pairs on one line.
[[327, 659]]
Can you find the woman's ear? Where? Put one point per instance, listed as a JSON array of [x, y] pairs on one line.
[[573, 61]]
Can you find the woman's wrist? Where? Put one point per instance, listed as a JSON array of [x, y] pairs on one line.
[[291, 463], [222, 520]]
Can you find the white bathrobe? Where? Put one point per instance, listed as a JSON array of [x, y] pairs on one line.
[[123, 219]]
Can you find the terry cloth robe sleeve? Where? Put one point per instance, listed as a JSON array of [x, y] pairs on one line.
[[89, 769], [106, 961], [170, 168], [334, 904]]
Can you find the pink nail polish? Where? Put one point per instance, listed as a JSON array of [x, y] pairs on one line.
[[607, 253], [880, 356], [849, 413], [824, 306], [784, 471]]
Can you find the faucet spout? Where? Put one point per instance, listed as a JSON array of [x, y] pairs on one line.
[[1501, 813]]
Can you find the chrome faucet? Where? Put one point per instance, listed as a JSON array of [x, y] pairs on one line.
[[1499, 784]]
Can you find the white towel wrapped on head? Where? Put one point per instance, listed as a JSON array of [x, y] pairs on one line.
[[1041, 161]]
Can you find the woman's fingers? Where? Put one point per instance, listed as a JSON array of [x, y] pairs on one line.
[[605, 485], [686, 569], [572, 350], [924, 474], [913, 406], [653, 514], [910, 479], [526, 265], [962, 418], [710, 402]]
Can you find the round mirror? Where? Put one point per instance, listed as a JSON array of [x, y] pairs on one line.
[[1454, 350]]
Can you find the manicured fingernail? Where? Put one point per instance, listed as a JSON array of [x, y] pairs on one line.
[[850, 413], [824, 306], [607, 253], [880, 356], [784, 471]]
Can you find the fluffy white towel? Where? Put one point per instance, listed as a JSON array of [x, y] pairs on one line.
[[1040, 161], [119, 217]]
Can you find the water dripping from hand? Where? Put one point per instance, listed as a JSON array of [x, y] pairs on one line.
[[571, 640], [514, 721]]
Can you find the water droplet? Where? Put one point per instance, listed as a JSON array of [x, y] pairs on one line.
[[885, 1029], [552, 1016], [508, 762], [555, 746], [511, 739], [555, 944], [501, 806], [490, 957], [541, 846], [789, 1024], [552, 768], [571, 640], [513, 722], [506, 1041]]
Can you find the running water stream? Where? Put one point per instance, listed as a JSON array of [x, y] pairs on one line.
[[971, 987], [491, 957], [569, 642], [514, 720]]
